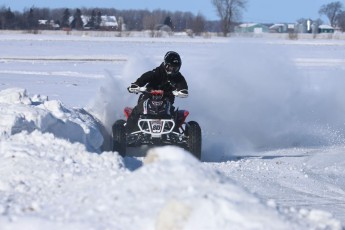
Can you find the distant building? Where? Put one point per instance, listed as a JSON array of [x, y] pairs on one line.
[[326, 29], [305, 26], [282, 28], [163, 27], [48, 25], [109, 23], [251, 28], [278, 28]]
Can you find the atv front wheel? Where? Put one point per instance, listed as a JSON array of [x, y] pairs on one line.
[[119, 137], [193, 132]]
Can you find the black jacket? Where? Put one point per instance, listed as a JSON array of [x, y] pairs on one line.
[[158, 79]]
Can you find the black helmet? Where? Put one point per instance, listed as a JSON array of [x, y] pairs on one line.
[[172, 62]]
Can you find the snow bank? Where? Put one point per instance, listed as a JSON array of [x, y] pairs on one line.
[[46, 181], [50, 183], [19, 112]]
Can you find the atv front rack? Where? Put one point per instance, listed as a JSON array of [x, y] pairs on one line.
[[156, 127]]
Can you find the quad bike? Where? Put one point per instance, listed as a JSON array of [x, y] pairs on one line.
[[157, 126]]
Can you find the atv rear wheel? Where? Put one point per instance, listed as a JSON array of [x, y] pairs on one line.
[[193, 132], [119, 137]]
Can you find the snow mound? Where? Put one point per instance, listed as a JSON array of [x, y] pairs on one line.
[[50, 183], [180, 193], [46, 181], [19, 112], [168, 153]]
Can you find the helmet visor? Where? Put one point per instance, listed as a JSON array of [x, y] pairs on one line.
[[172, 69]]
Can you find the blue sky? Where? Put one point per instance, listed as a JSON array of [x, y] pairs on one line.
[[257, 10]]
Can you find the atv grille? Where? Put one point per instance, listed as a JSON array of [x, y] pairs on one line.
[[156, 127]]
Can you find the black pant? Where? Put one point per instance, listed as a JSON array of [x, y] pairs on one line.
[[132, 121]]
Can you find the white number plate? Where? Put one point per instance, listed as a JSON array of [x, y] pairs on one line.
[[156, 126]]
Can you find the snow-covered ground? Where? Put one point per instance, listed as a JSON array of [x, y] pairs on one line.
[[271, 113]]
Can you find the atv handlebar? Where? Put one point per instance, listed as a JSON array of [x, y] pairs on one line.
[[137, 89], [183, 93]]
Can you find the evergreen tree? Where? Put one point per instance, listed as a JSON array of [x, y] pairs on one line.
[[65, 19], [32, 21], [168, 22], [92, 22], [77, 22], [9, 19], [98, 20]]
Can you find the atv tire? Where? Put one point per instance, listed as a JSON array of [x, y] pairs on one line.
[[119, 137], [193, 132]]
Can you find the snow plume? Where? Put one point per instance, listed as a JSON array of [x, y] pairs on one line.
[[113, 96], [253, 97], [106, 105]]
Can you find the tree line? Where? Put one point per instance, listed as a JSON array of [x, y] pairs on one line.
[[135, 20], [229, 12]]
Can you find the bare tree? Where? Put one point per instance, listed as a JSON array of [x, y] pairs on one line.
[[182, 20], [199, 24], [331, 10], [149, 22], [341, 21], [229, 11]]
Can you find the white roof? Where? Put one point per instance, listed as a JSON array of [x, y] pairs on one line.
[[42, 22], [325, 27], [277, 25], [109, 21], [106, 20], [248, 25]]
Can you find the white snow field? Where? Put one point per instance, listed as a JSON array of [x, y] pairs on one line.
[[272, 118]]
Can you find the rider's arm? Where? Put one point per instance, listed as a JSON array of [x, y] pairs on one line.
[[181, 87], [140, 82], [144, 79]]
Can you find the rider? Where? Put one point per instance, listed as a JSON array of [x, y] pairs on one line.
[[166, 77]]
